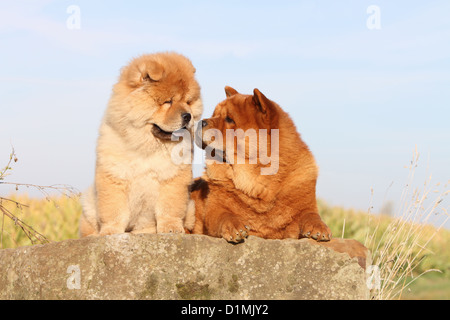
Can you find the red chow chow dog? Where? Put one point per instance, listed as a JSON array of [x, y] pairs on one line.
[[260, 177]]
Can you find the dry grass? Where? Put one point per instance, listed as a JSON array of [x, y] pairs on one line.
[[406, 246], [14, 209], [56, 218], [404, 242]]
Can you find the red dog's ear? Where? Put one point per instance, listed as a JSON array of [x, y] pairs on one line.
[[261, 101], [229, 91], [267, 108]]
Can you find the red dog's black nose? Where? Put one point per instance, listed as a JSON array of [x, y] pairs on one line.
[[204, 123]]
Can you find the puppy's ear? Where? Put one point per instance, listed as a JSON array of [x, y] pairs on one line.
[[148, 71], [229, 91], [266, 107], [152, 71]]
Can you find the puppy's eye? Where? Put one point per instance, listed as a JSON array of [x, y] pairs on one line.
[[168, 102], [192, 100], [229, 120]]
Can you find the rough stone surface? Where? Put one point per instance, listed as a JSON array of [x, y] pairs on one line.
[[153, 266]]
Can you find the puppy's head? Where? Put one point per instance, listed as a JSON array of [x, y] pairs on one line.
[[159, 94], [236, 123]]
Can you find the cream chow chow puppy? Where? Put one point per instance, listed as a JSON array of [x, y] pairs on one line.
[[138, 187]]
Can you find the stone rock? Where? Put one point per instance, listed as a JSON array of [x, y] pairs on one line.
[[156, 266]]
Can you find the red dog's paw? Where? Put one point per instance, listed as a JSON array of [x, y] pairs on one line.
[[233, 230], [313, 227]]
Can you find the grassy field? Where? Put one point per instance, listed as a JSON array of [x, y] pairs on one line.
[[57, 219], [418, 253], [429, 287]]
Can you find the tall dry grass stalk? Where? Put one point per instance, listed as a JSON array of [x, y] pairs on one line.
[[402, 245], [5, 211]]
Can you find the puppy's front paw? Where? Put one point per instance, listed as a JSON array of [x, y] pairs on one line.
[[107, 230], [175, 226]]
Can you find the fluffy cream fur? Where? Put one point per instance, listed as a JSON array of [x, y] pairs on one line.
[[138, 187]]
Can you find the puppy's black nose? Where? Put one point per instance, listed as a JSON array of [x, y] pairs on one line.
[[186, 118], [204, 123]]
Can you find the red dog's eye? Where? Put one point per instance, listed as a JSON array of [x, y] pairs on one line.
[[229, 120]]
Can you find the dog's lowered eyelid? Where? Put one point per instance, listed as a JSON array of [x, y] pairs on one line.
[[228, 119], [192, 100]]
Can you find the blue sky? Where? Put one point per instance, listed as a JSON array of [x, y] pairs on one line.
[[362, 99]]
